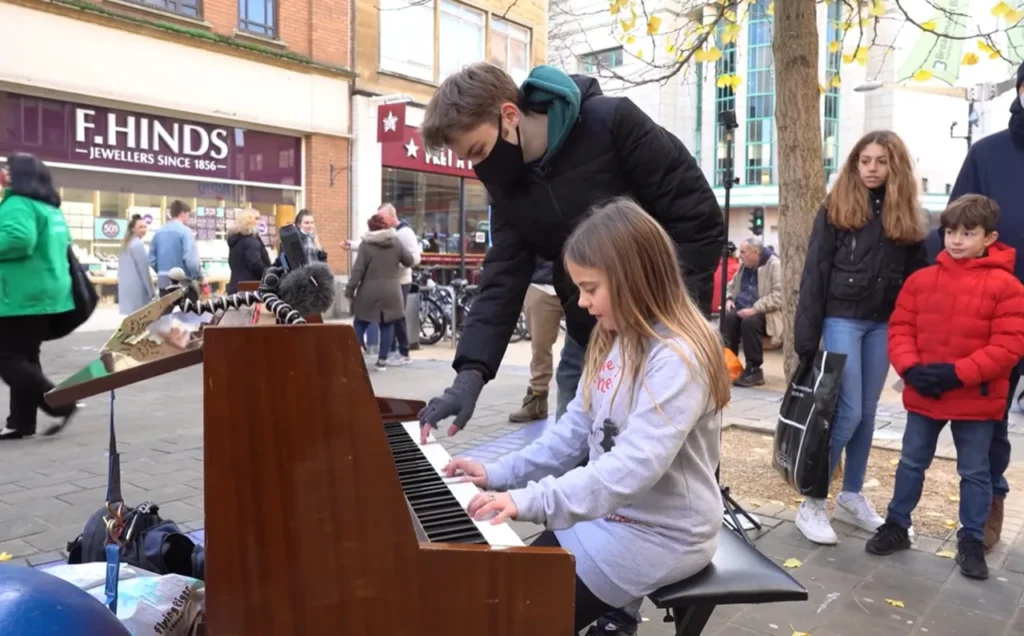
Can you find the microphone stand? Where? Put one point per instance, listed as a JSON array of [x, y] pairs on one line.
[[727, 120]]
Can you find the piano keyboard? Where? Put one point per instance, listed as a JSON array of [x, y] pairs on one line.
[[439, 505]]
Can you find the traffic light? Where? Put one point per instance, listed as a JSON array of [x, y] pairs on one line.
[[757, 221]]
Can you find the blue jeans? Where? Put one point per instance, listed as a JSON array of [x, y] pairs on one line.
[[973, 440], [401, 343], [865, 343], [567, 376], [387, 332]]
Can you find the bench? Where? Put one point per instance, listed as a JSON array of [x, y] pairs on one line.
[[737, 574]]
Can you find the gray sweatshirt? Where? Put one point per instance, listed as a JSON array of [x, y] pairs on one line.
[[645, 511]]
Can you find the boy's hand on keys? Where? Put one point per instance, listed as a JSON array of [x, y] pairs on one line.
[[499, 504], [469, 470]]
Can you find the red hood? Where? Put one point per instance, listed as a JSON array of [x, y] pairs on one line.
[[999, 256]]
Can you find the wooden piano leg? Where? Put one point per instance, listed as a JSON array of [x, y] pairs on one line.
[[690, 621]]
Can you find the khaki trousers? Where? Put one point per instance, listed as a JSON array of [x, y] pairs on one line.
[[543, 315]]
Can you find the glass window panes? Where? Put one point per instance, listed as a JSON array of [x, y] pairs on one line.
[[725, 99], [430, 204], [407, 38], [510, 48], [760, 97], [594, 62], [258, 17], [187, 8], [462, 37], [830, 129]]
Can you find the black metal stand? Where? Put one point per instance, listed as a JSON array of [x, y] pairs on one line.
[[727, 120]]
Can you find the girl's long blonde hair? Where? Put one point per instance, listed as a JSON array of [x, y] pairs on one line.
[[646, 288], [848, 203]]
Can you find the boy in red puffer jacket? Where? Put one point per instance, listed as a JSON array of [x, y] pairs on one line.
[[957, 330]]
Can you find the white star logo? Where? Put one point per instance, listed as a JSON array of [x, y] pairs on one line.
[[390, 122], [411, 149]]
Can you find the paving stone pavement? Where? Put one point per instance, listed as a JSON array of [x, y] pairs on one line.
[[49, 487]]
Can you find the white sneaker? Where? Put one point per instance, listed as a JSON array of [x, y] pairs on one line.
[[381, 365], [855, 509], [812, 521], [398, 360]]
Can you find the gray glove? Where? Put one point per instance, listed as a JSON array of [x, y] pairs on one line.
[[458, 400]]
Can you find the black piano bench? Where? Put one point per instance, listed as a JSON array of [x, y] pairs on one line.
[[737, 574]]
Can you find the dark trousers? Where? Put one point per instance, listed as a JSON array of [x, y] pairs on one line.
[[401, 343], [20, 340], [999, 452], [973, 440], [386, 334], [589, 608], [749, 332]]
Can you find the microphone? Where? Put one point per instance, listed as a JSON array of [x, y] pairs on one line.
[[176, 274], [308, 289]]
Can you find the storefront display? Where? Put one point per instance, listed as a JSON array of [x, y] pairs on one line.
[[110, 164], [433, 193]]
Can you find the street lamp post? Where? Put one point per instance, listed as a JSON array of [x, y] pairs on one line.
[[972, 121]]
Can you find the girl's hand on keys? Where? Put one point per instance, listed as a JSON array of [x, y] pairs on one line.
[[469, 470], [498, 505]]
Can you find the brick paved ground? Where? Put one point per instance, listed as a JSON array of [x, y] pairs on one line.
[[48, 487]]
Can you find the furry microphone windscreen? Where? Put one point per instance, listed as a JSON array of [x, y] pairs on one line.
[[308, 289]]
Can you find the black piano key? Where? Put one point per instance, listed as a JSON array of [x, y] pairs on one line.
[[437, 513]]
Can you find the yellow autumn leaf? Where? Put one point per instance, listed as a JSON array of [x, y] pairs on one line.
[[796, 633], [984, 47], [653, 25], [836, 82], [833, 46], [735, 81], [894, 462], [722, 81], [730, 33], [922, 75], [847, 58], [930, 25], [5, 556], [865, 23], [709, 55], [954, 498], [792, 563], [946, 554], [821, 89], [894, 603], [770, 11], [729, 15], [614, 8], [949, 523], [798, 499], [1014, 16], [877, 9], [846, 26], [630, 40], [861, 55], [670, 49], [628, 26], [1000, 9]]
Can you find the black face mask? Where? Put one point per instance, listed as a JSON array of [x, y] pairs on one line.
[[504, 165]]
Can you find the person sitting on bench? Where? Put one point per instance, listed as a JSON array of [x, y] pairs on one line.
[[646, 509], [753, 308]]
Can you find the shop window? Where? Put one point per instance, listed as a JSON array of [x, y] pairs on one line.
[[407, 38], [430, 204], [510, 48], [187, 8], [258, 17], [462, 37]]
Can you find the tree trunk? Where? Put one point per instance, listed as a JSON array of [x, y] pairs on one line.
[[798, 120]]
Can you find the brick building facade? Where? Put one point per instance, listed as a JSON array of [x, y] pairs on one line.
[[225, 104]]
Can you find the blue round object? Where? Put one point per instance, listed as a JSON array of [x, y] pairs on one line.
[[34, 603]]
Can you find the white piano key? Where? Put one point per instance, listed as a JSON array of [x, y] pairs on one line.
[[500, 535]]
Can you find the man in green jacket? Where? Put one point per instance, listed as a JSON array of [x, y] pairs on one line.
[[35, 283]]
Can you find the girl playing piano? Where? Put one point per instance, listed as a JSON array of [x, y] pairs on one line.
[[645, 510]]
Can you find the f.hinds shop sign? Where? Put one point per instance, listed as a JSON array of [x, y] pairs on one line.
[[150, 142], [64, 132]]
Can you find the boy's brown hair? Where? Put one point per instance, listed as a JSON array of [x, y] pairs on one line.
[[466, 99], [971, 211]]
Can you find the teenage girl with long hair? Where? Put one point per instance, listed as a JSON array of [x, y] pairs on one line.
[[646, 509], [867, 239]]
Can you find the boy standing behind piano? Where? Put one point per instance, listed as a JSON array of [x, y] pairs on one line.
[[956, 332], [645, 511]]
